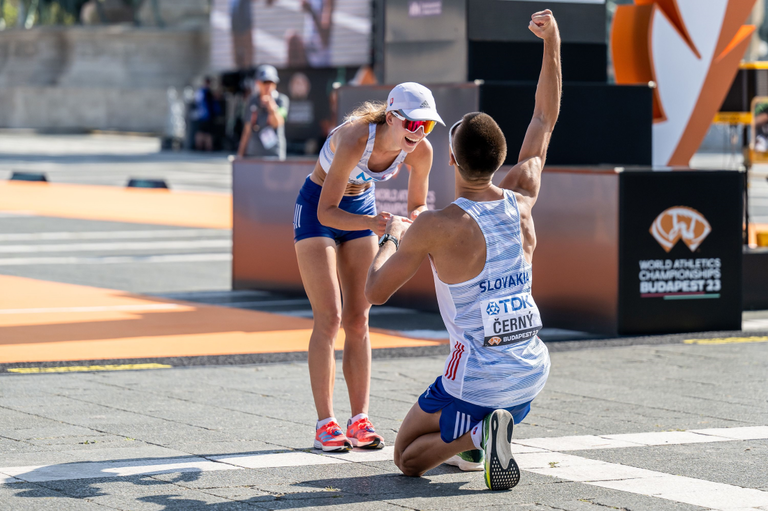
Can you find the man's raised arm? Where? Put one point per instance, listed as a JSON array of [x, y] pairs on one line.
[[525, 177]]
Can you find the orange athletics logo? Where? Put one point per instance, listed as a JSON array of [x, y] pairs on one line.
[[680, 222], [494, 341]]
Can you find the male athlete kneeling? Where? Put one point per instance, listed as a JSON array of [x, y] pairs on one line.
[[480, 248]]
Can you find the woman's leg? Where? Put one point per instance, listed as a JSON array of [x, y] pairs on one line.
[[355, 257], [418, 446], [317, 264]]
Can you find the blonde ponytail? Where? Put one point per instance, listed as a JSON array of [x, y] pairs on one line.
[[374, 112]]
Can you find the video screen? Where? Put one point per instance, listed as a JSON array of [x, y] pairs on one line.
[[290, 33]]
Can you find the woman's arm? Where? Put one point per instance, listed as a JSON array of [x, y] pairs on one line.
[[420, 162], [349, 149]]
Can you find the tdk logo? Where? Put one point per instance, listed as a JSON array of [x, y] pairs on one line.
[[510, 304]]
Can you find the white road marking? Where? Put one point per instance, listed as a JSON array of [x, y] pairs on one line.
[[755, 324], [643, 482], [743, 433], [105, 247], [286, 459], [171, 258], [589, 442], [87, 470], [111, 235], [532, 455]]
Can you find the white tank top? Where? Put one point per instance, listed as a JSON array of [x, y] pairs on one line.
[[497, 359], [361, 174]]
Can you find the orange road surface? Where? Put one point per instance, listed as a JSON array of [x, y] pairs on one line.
[[147, 206], [46, 321]]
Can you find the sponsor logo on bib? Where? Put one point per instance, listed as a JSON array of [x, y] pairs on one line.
[[510, 319]]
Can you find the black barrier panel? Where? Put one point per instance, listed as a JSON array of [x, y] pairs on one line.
[[755, 279], [146, 183], [680, 255], [747, 84], [312, 113], [502, 20], [599, 124], [521, 61], [29, 176]]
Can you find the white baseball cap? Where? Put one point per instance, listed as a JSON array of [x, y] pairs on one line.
[[267, 73], [415, 102]]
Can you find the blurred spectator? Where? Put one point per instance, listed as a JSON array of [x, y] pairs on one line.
[[264, 120], [314, 49], [242, 41], [203, 117]]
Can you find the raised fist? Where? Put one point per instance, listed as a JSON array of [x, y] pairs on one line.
[[543, 25]]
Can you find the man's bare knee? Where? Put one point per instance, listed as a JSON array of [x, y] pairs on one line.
[[410, 467]]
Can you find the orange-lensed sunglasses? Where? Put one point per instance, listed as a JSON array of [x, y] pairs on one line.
[[413, 126]]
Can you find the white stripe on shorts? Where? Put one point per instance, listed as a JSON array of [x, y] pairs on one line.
[[456, 427]]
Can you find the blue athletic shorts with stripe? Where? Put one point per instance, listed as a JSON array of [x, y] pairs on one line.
[[458, 416], [306, 224]]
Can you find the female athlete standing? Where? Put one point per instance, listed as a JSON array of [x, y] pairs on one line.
[[334, 225]]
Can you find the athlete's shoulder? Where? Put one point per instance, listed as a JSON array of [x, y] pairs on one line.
[[424, 148], [351, 135], [442, 224]]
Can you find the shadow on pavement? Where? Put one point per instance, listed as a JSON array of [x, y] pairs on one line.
[[169, 493]]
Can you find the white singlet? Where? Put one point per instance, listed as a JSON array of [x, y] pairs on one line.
[[496, 358], [361, 174]]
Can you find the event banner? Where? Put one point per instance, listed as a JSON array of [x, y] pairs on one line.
[[290, 33], [680, 251]]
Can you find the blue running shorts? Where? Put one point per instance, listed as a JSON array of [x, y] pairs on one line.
[[305, 222], [458, 416]]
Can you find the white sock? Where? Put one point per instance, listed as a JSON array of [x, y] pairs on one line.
[[323, 422], [477, 435], [357, 418]]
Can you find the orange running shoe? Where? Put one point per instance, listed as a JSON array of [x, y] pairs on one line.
[[362, 434], [330, 438]]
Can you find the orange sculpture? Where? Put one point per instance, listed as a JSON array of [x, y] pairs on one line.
[[691, 50]]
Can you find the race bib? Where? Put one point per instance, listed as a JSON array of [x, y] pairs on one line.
[[510, 319], [268, 137]]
